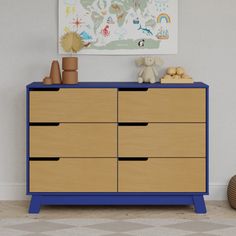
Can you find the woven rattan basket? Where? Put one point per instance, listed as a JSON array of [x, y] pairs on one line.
[[232, 192]]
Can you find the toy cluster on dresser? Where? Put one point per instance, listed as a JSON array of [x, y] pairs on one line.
[[149, 72], [69, 74], [176, 75]]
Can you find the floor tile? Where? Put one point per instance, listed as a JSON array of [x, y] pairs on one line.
[[41, 226], [157, 222], [77, 231], [198, 226], [81, 222], [35, 234], [118, 234], [225, 232], [118, 221], [156, 231], [225, 221], [119, 226], [11, 232], [15, 221], [200, 234]]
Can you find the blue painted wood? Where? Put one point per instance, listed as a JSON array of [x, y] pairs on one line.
[[40, 198], [27, 141], [35, 204], [199, 204], [106, 200], [207, 140], [117, 193], [39, 85]]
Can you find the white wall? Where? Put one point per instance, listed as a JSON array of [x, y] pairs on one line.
[[28, 42]]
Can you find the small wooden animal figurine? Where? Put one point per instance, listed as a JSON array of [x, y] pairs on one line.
[[149, 72], [176, 75]]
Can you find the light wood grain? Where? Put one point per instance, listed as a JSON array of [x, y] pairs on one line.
[[74, 175], [162, 105], [177, 81], [74, 105], [74, 140], [162, 175], [163, 140]]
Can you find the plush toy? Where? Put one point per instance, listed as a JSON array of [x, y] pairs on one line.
[[149, 72]]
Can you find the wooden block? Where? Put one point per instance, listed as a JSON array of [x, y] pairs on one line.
[[70, 77], [70, 63], [47, 81], [177, 81]]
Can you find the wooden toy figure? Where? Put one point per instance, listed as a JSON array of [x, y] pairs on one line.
[[149, 72], [176, 75], [70, 73], [55, 73]]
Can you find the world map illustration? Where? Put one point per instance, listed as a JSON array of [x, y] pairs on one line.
[[121, 26]]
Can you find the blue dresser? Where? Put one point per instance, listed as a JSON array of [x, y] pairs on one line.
[[111, 143]]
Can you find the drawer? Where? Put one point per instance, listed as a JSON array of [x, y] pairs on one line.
[[162, 175], [74, 105], [162, 140], [163, 105], [74, 140], [74, 175]]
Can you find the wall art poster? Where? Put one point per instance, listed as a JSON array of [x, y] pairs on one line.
[[121, 26]]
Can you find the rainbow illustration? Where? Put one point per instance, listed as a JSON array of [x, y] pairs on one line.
[[163, 16]]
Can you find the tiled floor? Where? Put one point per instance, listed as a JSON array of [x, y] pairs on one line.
[[116, 221]]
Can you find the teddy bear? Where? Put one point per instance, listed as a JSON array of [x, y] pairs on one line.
[[149, 72]]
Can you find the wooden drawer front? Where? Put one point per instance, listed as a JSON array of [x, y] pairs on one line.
[[162, 105], [162, 140], [74, 175], [162, 175], [74, 140], [74, 105]]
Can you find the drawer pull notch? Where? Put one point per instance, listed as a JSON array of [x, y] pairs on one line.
[[133, 158], [133, 124], [133, 89], [44, 124], [44, 158]]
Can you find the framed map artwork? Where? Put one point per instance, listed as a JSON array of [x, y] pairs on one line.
[[121, 26]]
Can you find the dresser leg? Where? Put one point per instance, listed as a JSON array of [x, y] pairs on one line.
[[34, 207], [199, 204]]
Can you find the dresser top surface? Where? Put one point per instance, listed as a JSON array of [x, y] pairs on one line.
[[135, 85]]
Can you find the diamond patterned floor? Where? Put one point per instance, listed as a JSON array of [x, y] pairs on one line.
[[115, 221]]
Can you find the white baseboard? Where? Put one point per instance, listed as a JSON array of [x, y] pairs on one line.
[[13, 191], [16, 191], [218, 192]]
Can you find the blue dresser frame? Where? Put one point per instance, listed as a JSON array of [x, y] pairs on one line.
[[71, 198]]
